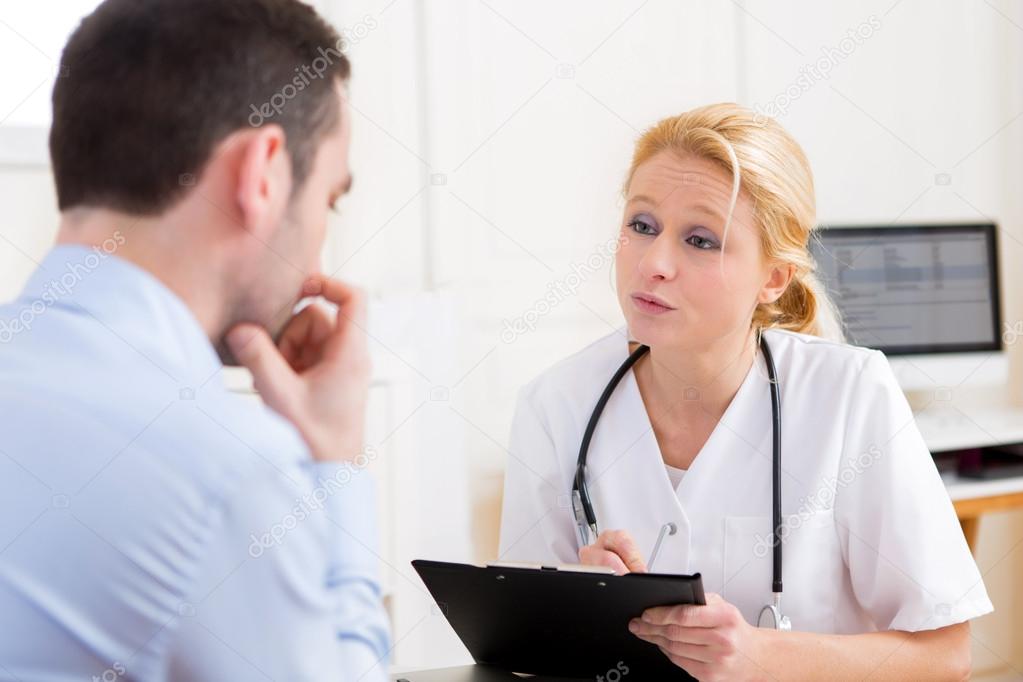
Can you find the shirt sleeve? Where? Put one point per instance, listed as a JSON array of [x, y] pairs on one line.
[[537, 524], [288, 588], [908, 561], [353, 579]]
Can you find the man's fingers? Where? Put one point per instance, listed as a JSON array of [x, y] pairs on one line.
[[300, 342], [350, 301], [351, 308], [255, 350], [622, 544]]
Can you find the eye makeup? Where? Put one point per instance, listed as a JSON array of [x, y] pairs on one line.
[[698, 237]]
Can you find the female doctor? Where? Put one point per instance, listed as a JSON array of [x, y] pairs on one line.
[[713, 276]]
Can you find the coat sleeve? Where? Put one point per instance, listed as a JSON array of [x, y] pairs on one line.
[[908, 561], [537, 525]]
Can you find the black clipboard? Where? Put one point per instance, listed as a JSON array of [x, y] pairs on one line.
[[550, 621]]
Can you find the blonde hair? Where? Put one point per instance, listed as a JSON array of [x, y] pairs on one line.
[[770, 166]]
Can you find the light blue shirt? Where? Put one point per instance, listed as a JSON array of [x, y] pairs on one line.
[[154, 525]]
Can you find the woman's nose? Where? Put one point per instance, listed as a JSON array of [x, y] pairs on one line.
[[658, 261]]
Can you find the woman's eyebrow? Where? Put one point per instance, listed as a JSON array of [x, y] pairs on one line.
[[709, 209], [641, 198], [700, 207]]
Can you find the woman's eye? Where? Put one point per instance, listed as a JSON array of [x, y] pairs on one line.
[[641, 227], [702, 243]]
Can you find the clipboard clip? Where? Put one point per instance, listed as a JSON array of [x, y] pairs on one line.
[[570, 568]]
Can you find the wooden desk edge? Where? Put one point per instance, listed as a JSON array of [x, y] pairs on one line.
[[969, 511]]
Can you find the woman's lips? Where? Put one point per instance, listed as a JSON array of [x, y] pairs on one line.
[[649, 304]]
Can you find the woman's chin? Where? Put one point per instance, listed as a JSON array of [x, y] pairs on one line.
[[649, 331]]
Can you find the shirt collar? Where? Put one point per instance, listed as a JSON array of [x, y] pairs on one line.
[[130, 302]]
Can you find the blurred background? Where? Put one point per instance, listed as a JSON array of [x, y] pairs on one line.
[[490, 142]]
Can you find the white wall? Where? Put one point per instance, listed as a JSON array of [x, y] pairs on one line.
[[529, 111], [491, 137]]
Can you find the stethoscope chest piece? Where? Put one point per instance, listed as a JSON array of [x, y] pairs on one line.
[[586, 517], [771, 617]]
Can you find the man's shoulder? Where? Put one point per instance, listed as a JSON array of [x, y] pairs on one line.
[[83, 423], [257, 428], [220, 437]]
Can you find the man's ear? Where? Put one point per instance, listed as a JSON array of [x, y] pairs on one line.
[[781, 275], [264, 180]]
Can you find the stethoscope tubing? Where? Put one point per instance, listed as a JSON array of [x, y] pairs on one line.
[[580, 490]]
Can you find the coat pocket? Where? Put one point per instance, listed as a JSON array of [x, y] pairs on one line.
[[811, 568]]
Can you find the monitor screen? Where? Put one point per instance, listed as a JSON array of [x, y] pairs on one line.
[[911, 289]]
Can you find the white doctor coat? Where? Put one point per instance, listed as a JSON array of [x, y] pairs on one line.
[[871, 540]]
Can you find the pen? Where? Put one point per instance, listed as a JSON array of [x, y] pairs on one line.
[[668, 528]]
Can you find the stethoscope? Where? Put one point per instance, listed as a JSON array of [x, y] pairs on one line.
[[586, 518]]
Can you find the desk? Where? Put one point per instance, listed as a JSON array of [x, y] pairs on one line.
[[471, 673], [946, 429], [972, 499]]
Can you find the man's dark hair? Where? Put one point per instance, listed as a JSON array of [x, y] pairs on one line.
[[148, 88]]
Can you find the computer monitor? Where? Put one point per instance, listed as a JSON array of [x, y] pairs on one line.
[[925, 295]]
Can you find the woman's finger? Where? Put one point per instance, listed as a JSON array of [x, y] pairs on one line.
[[592, 555], [694, 652], [688, 615], [621, 543], [678, 633]]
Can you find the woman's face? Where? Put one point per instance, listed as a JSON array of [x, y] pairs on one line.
[[676, 286]]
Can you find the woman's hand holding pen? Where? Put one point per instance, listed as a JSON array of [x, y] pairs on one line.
[[709, 642], [614, 549]]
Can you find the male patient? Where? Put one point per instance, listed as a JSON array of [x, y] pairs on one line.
[[152, 525]]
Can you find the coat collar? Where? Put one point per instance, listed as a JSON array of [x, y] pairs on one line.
[[626, 471]]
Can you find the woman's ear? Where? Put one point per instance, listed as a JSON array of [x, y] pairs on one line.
[[264, 180], [780, 276]]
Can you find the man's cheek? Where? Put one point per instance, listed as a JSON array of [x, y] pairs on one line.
[[310, 235], [319, 238]]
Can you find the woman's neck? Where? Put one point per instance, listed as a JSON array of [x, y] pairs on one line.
[[686, 392]]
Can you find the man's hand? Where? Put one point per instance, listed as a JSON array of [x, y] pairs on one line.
[[712, 642], [318, 379]]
